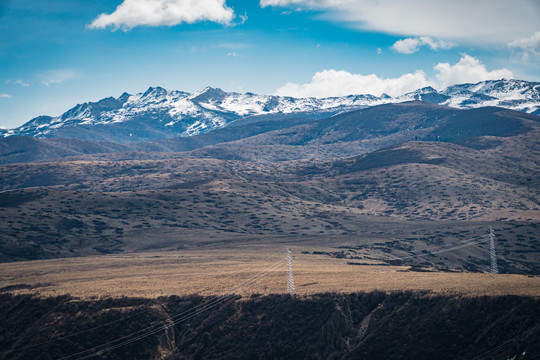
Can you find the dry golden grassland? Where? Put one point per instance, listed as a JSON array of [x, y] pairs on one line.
[[242, 269]]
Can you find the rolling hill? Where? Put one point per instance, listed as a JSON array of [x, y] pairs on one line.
[[484, 172]]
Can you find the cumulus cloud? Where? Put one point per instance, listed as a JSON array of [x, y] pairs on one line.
[[5, 96], [476, 21], [57, 76], [331, 82], [468, 70], [527, 48], [131, 13], [412, 45]]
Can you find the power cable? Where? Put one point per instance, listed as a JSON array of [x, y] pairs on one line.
[[509, 343], [460, 244], [176, 319], [109, 323]]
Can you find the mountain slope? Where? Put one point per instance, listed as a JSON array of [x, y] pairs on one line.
[[482, 169], [370, 129], [347, 134], [430, 192], [161, 114], [434, 180], [20, 149], [511, 94], [374, 325]]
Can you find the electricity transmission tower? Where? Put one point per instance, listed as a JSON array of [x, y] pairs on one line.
[[493, 256], [290, 280]]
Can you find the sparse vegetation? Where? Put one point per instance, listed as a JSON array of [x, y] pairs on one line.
[[376, 325], [394, 230]]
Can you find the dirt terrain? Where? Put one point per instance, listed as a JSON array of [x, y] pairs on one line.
[[242, 268]]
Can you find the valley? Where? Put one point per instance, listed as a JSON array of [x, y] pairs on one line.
[[389, 206]]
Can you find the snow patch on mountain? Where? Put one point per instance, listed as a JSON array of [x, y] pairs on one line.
[[178, 113]]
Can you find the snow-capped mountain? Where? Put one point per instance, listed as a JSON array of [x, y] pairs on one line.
[[516, 95], [159, 113], [511, 94]]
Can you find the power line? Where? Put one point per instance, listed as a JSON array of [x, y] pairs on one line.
[[75, 334], [509, 343], [177, 318], [465, 243], [159, 328], [115, 321], [151, 330], [458, 245], [215, 302]]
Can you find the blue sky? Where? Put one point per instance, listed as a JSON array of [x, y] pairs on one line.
[[57, 53]]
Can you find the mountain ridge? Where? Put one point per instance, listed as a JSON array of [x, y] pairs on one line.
[[347, 134], [162, 114]]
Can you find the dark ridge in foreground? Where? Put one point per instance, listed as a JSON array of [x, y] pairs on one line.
[[402, 325]]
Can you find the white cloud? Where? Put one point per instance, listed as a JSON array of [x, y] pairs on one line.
[[527, 48], [412, 45], [467, 70], [243, 19], [478, 21], [407, 46], [331, 82], [57, 76], [5, 96], [131, 13], [234, 54], [18, 82]]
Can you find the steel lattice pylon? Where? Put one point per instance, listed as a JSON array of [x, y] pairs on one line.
[[493, 256], [290, 280]]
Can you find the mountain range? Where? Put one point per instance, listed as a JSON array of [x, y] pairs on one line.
[[379, 175], [161, 114], [411, 173], [269, 140], [184, 192]]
